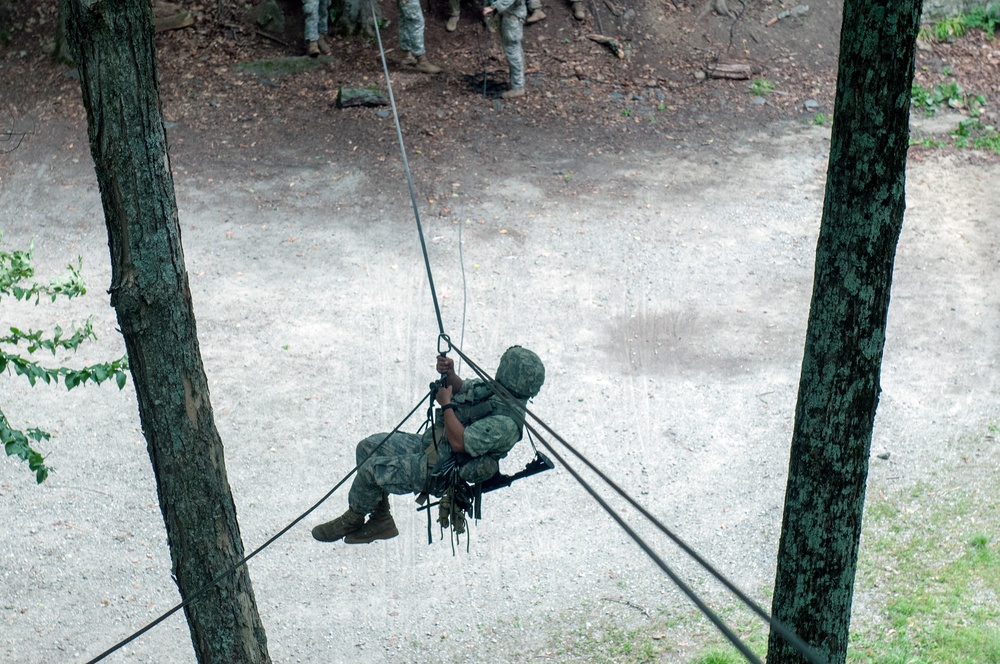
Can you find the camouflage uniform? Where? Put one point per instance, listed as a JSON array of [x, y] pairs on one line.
[[317, 13], [512, 15], [411, 27], [402, 465]]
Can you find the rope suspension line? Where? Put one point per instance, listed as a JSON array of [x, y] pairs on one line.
[[406, 168], [779, 627], [204, 589]]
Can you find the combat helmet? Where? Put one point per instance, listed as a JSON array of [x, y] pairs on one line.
[[521, 372]]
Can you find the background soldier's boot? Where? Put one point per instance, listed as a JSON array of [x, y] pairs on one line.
[[579, 13], [346, 523], [324, 48], [378, 527], [535, 16], [513, 94], [452, 24], [408, 59], [425, 66], [312, 49]]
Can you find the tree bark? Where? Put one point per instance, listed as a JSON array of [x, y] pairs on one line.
[[839, 384], [113, 45]]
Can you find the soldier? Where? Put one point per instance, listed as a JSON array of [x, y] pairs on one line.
[[512, 14], [475, 428], [317, 13], [411, 36]]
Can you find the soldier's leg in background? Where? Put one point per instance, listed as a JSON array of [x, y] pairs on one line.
[[511, 34], [310, 10], [454, 11], [535, 12], [411, 27], [579, 13]]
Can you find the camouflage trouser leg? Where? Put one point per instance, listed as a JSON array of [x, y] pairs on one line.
[[399, 466], [411, 26], [317, 13], [511, 33], [454, 7], [533, 5]]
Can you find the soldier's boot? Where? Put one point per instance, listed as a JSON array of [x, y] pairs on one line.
[[409, 59], [579, 13], [331, 531], [379, 526], [312, 49], [452, 24], [514, 93], [324, 47], [535, 16], [425, 66]]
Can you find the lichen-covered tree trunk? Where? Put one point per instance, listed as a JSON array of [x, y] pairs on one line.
[[112, 43], [839, 384]]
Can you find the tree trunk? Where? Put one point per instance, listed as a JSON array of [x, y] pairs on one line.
[[112, 42], [839, 383]]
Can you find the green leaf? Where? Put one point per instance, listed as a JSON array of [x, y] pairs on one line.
[[120, 379]]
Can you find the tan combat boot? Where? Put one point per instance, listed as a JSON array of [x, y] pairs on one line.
[[514, 93], [425, 66], [379, 526], [312, 49], [346, 523], [408, 59], [452, 24], [579, 13], [324, 47], [535, 16]]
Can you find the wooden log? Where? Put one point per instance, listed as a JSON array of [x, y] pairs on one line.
[[734, 70]]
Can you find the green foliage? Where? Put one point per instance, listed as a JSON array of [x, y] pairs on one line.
[[972, 133], [761, 87], [986, 19], [820, 119], [627, 112], [946, 93], [16, 280], [950, 28]]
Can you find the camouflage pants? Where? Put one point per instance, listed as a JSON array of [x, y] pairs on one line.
[[411, 26], [511, 33], [399, 467], [534, 4], [317, 13]]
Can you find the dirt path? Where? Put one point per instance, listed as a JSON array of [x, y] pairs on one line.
[[667, 291]]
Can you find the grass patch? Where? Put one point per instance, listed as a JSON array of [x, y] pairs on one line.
[[933, 557], [608, 642]]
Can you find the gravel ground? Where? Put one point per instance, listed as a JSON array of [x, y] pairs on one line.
[[667, 290]]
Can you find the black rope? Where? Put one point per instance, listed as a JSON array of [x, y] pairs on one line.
[[204, 589], [784, 631], [406, 168]]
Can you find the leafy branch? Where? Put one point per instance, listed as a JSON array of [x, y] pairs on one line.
[[16, 279]]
